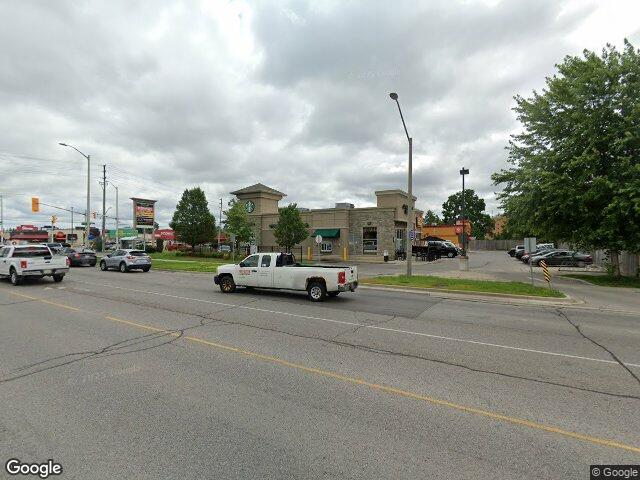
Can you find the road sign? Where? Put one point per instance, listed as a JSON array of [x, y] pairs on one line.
[[318, 239], [530, 244], [545, 270]]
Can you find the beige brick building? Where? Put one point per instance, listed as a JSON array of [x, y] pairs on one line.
[[346, 230]]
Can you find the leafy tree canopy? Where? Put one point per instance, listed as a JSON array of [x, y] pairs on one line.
[[237, 222], [430, 218], [575, 173], [192, 221], [290, 229], [481, 223]]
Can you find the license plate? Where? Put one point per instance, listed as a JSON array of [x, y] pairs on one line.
[[47, 272]]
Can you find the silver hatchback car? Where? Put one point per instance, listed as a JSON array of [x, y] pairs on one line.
[[125, 260]]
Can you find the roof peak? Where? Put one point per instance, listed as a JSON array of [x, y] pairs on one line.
[[258, 188]]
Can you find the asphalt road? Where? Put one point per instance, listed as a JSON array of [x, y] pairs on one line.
[[159, 375]]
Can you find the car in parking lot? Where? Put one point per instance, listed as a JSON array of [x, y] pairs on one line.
[[541, 250], [443, 248], [514, 250], [563, 258], [224, 248], [126, 260], [80, 257]]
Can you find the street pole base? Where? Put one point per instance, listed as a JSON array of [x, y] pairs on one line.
[[463, 265]]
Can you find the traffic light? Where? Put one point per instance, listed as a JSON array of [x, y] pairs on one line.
[[54, 219], [35, 204]]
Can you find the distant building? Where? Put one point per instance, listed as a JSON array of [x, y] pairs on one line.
[[500, 222], [358, 232], [447, 232]]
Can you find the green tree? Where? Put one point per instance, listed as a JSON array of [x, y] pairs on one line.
[[431, 218], [481, 222], [575, 173], [192, 221], [238, 223], [290, 229]]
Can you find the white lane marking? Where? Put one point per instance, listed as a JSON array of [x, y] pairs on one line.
[[374, 327]]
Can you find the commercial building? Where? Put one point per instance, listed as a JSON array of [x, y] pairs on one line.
[[347, 231], [452, 233]]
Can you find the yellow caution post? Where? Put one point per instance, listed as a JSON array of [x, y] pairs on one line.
[[345, 254], [309, 254]]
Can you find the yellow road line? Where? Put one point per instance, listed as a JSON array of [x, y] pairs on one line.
[[396, 391], [49, 302], [364, 383]]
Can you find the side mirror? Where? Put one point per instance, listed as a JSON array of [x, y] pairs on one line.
[[108, 255], [241, 264]]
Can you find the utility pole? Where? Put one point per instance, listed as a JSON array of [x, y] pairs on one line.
[[1, 219], [117, 225], [220, 225], [104, 205], [72, 220]]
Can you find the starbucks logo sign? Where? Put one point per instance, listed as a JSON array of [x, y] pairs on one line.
[[249, 206]]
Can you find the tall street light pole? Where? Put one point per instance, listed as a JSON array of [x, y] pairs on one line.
[[463, 172], [410, 219], [117, 218], [87, 217]]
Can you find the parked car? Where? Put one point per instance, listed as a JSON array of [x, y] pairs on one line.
[[55, 247], [280, 271], [80, 257], [519, 249], [443, 248], [224, 248], [126, 260], [539, 251], [563, 258], [31, 261]]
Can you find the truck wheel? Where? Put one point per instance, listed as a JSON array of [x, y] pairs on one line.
[[58, 278], [146, 269], [14, 277], [103, 266], [317, 291], [227, 285], [123, 267], [450, 255], [333, 294]]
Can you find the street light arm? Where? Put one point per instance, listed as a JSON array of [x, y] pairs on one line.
[[402, 118], [71, 146]]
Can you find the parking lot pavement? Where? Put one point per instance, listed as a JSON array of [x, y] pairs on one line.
[[159, 375], [497, 265]]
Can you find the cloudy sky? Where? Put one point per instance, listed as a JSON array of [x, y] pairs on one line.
[[224, 94]]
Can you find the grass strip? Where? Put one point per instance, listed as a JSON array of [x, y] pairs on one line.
[[607, 280], [464, 285]]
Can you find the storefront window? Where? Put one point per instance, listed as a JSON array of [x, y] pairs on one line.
[[326, 247], [370, 239]]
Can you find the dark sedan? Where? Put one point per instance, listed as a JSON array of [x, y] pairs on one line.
[[564, 258], [80, 258]]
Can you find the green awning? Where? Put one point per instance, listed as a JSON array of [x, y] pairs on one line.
[[327, 232]]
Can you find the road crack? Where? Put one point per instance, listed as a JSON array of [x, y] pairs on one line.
[[563, 315]]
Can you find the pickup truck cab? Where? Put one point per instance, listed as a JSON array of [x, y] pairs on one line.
[[34, 261], [280, 271]]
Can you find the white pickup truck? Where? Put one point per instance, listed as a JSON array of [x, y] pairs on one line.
[[34, 261], [280, 271]]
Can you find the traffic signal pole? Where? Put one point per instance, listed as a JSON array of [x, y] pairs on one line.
[[104, 205]]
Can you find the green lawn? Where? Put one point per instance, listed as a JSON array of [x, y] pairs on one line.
[[169, 261], [608, 281], [455, 284]]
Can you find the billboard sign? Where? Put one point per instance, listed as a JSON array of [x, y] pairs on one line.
[[143, 213]]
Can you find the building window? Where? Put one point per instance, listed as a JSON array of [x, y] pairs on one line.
[[369, 239], [326, 247]]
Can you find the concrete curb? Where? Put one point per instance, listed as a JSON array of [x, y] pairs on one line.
[[479, 296]]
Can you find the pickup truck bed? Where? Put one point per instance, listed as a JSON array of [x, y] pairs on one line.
[[36, 261], [279, 271]]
